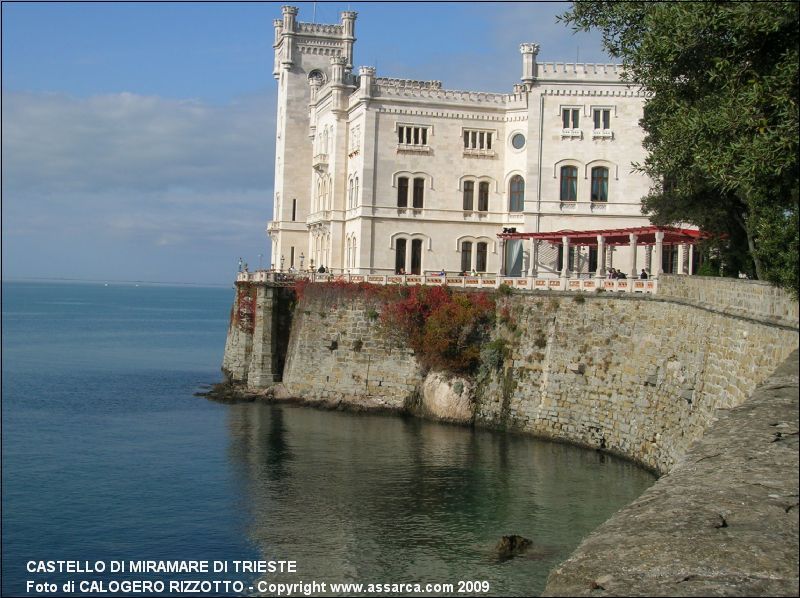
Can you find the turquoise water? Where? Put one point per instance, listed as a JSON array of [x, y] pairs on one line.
[[108, 455]]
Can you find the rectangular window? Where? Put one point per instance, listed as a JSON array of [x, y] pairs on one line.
[[478, 140], [416, 256], [570, 118], [402, 192], [419, 192], [569, 183], [483, 197], [480, 258], [291, 257], [400, 256], [466, 256], [599, 183], [602, 118], [412, 135], [469, 189], [294, 210]]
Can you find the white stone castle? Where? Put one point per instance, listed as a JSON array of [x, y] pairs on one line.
[[379, 175]]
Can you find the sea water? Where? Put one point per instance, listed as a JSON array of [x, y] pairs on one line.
[[108, 455]]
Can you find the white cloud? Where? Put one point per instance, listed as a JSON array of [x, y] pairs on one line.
[[132, 176], [118, 141]]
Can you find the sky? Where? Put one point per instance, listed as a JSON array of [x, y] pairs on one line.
[[138, 138]]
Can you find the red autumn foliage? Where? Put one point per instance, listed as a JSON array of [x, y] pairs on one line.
[[445, 328]]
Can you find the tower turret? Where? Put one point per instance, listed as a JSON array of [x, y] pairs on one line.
[[348, 30], [367, 76], [529, 52], [289, 14]]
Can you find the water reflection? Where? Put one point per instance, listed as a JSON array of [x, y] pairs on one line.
[[378, 499]]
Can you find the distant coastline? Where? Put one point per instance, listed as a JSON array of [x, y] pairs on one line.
[[115, 281]]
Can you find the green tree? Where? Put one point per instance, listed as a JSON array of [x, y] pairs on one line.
[[720, 121]]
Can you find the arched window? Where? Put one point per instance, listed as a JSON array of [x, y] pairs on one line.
[[599, 183], [516, 194], [355, 192], [469, 190], [569, 183], [316, 75], [483, 197], [350, 193]]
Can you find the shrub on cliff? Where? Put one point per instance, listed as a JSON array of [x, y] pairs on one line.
[[444, 328]]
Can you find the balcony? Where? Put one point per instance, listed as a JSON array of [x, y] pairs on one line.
[[479, 153], [602, 134], [571, 134], [416, 148], [319, 216], [320, 162]]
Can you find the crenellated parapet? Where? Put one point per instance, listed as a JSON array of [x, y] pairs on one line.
[[320, 29], [579, 71], [406, 88], [407, 83]]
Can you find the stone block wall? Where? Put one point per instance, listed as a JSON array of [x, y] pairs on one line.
[[637, 376], [642, 376], [749, 298], [239, 342], [337, 353], [258, 332]]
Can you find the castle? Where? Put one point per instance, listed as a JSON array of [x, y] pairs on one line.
[[379, 175]]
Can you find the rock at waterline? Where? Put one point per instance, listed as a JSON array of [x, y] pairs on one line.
[[510, 546]]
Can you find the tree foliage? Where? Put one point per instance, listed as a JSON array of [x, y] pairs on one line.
[[720, 121]]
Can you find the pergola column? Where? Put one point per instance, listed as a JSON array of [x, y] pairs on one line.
[[658, 270], [534, 258], [681, 258], [565, 254], [502, 269], [601, 257], [632, 262], [691, 260]]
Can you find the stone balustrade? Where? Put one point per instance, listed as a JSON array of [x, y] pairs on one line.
[[484, 281]]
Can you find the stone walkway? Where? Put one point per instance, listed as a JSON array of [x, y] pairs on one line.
[[723, 522]]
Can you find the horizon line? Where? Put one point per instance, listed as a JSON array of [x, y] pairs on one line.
[[109, 280]]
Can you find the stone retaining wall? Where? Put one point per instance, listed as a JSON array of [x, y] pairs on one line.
[[645, 377], [722, 523], [749, 298], [637, 376], [337, 354]]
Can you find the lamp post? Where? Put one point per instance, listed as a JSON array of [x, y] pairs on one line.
[[283, 259], [302, 257]]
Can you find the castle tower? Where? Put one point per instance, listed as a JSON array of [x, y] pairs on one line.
[[303, 61], [529, 53]]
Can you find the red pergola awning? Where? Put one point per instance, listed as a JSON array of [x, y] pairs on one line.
[[645, 235]]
